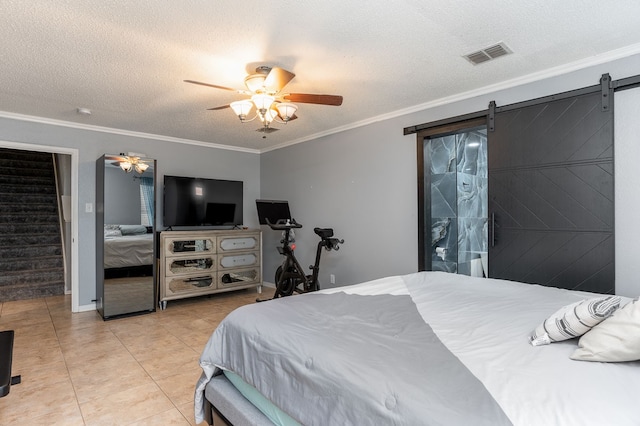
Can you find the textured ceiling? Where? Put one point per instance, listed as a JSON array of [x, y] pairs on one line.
[[126, 60]]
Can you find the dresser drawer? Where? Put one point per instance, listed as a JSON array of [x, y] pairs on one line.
[[238, 277], [187, 246], [233, 243], [189, 265], [187, 285], [239, 260]]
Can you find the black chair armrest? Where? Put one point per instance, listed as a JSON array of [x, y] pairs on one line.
[[6, 357]]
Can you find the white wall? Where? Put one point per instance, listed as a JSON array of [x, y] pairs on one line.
[[363, 182], [172, 158]]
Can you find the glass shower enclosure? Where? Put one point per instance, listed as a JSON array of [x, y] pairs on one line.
[[456, 203]]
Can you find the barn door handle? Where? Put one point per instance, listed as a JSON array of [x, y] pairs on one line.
[[493, 229]]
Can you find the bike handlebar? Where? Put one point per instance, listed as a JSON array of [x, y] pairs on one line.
[[333, 244]]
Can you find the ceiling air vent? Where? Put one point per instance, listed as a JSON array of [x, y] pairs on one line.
[[488, 53]]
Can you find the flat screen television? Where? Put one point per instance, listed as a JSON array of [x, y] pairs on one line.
[[190, 201]]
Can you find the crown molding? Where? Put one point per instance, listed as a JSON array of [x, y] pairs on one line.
[[81, 126]]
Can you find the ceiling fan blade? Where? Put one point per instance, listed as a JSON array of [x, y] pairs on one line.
[[307, 98], [215, 86], [218, 108], [277, 79]]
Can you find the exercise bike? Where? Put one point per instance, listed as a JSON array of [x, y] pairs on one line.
[[290, 276]]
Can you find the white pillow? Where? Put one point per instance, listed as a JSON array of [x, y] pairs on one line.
[[615, 340], [574, 320], [112, 233]]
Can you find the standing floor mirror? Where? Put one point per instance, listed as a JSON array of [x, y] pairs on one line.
[[125, 236]]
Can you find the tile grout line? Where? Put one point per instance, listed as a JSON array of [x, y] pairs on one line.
[[64, 359], [150, 377]]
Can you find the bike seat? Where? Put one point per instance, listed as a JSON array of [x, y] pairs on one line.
[[324, 232]]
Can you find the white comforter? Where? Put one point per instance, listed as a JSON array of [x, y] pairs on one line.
[[486, 323]]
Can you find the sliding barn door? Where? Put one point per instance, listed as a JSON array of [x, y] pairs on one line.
[[551, 193]]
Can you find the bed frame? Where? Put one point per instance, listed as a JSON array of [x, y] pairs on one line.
[[225, 406]]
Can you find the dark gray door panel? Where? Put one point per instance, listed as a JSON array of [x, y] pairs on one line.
[[551, 194]]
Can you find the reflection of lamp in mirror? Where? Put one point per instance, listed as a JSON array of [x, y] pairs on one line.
[[130, 163], [126, 166], [141, 167]]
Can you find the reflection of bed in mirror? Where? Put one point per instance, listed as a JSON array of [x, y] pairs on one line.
[[128, 251]]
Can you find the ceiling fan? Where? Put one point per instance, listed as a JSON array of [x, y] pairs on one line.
[[128, 163], [264, 89]]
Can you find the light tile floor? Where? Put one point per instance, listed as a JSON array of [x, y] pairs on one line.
[[80, 370]]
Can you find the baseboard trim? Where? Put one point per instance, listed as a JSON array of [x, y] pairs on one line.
[[87, 308]]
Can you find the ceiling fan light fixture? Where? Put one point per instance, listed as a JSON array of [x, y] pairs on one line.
[[132, 162], [255, 82], [141, 167], [262, 102], [241, 109], [126, 166], [264, 89], [286, 110], [268, 116]]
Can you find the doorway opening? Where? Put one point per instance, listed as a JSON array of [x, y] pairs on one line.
[[71, 210], [454, 199]]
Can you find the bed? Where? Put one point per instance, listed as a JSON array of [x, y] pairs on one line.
[[127, 246], [426, 348]]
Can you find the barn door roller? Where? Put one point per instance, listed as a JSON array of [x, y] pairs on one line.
[[605, 89]]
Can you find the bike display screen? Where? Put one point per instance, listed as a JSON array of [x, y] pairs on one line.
[[273, 210]]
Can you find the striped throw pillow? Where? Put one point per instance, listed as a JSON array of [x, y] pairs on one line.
[[574, 320]]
